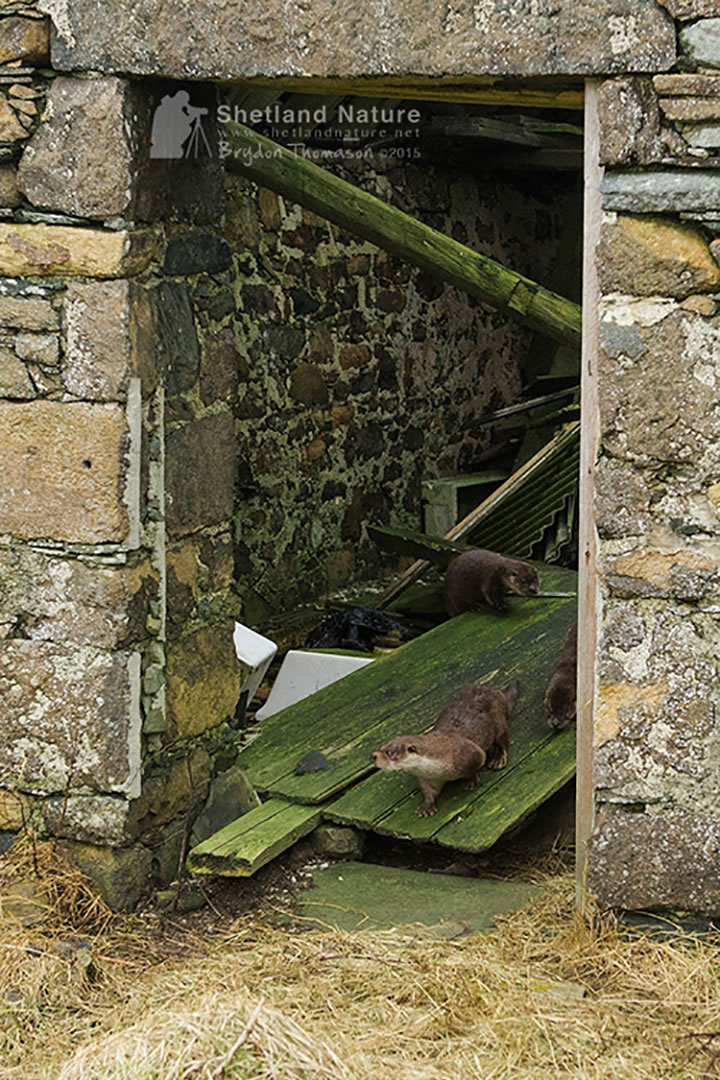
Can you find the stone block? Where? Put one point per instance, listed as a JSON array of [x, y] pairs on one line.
[[71, 717], [15, 382], [99, 358], [200, 496], [652, 257], [95, 819], [338, 842], [28, 313], [25, 39], [200, 573], [11, 129], [66, 250], [15, 809], [65, 600], [663, 191], [169, 793], [690, 9], [418, 37], [203, 680], [81, 160], [197, 253], [10, 196], [700, 43], [38, 348], [658, 371], [651, 861], [220, 367], [163, 336], [231, 796], [622, 500], [65, 471], [121, 876]]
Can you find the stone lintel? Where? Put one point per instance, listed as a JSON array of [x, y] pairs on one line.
[[70, 251], [411, 37]]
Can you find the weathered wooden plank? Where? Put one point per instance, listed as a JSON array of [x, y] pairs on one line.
[[478, 91], [506, 804], [246, 844], [588, 555], [335, 199], [407, 691]]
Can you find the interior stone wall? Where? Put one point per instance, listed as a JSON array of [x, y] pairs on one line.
[[357, 375]]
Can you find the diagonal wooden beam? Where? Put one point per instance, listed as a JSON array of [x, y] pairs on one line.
[[283, 171]]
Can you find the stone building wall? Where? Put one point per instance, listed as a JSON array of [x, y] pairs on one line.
[[657, 724], [117, 672], [115, 569]]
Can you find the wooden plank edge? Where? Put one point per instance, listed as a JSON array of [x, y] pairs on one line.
[[203, 860]]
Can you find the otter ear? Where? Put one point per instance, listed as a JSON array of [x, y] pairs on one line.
[[411, 750]]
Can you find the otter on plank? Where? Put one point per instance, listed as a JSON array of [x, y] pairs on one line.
[[469, 732], [560, 704], [478, 578]]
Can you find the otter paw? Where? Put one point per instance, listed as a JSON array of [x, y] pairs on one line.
[[499, 761], [425, 811]]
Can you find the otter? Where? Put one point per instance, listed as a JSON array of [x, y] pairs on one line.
[[469, 732], [481, 577], [560, 704]]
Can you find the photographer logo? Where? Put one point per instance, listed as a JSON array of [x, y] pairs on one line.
[[177, 130]]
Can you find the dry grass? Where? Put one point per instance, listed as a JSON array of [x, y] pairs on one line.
[[267, 1003]]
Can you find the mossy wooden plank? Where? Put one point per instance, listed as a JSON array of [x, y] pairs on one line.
[[246, 844], [469, 648], [540, 775]]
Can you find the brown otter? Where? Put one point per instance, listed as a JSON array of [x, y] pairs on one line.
[[481, 577], [560, 705], [470, 731]]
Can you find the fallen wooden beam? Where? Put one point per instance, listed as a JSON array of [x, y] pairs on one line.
[[281, 170]]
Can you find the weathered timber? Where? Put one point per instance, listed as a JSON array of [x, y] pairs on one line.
[[546, 459], [404, 691], [246, 844], [435, 549], [479, 91], [364, 215]]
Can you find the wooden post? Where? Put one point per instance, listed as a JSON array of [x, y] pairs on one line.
[[282, 171], [588, 611]]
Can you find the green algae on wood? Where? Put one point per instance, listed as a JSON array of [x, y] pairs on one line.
[[246, 844]]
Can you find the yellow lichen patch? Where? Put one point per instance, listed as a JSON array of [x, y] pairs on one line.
[[655, 566], [674, 245], [617, 696]]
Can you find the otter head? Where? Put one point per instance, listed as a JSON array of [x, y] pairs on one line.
[[522, 579], [398, 754], [560, 704]]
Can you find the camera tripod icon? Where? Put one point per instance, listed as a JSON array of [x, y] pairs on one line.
[[177, 128]]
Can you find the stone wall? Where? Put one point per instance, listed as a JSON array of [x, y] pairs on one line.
[[359, 376], [657, 729], [125, 323], [117, 672]]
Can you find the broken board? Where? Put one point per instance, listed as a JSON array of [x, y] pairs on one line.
[[403, 692]]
